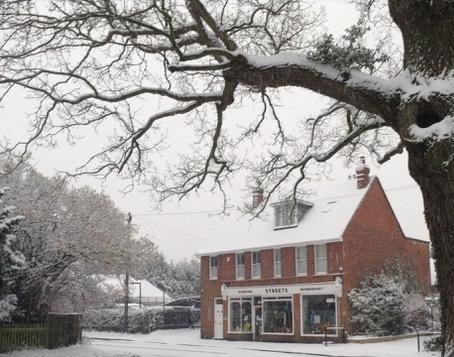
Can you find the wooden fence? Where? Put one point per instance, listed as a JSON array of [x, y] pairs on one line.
[[19, 336], [59, 330]]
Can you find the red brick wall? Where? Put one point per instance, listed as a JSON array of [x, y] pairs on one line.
[[373, 240]]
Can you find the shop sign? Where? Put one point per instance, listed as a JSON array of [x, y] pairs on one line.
[[333, 288]]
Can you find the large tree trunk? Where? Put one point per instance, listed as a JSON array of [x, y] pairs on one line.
[[427, 29], [436, 180]]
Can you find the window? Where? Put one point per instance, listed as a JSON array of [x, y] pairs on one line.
[[288, 214], [213, 268], [240, 311], [256, 269], [285, 214], [277, 263], [240, 265], [278, 315], [318, 311], [301, 260], [321, 261]]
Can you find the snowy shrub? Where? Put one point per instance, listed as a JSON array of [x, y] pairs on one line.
[[417, 312], [7, 306], [140, 320], [388, 304], [434, 344], [377, 307]]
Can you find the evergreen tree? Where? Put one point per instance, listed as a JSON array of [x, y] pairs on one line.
[[11, 260]]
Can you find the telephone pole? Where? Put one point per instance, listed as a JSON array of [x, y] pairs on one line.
[[126, 317]]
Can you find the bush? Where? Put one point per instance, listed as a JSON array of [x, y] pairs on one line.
[[434, 344], [140, 320], [417, 312], [388, 304], [377, 307]]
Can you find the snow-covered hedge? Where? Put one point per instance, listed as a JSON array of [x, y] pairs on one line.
[[140, 320], [386, 304]]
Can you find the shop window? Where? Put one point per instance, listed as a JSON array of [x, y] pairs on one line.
[[239, 266], [321, 259], [277, 263], [256, 265], [278, 316], [301, 260], [213, 268], [240, 311], [319, 311]]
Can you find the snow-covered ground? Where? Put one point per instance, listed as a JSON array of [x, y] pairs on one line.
[[186, 342]]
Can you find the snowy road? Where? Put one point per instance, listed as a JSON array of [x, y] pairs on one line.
[[143, 350], [187, 343], [177, 343]]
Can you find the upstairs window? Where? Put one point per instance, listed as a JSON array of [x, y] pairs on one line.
[[239, 266], [277, 263], [256, 268], [213, 268], [321, 259], [284, 216], [288, 214], [301, 260]]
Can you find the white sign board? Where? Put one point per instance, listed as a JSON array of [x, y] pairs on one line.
[[329, 288]]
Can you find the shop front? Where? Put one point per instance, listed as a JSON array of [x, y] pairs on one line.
[[292, 313]]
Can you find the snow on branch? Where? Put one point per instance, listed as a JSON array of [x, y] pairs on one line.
[[442, 130]]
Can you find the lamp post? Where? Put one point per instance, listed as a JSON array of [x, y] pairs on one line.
[[126, 312]]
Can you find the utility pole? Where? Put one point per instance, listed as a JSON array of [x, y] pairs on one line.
[[126, 317]]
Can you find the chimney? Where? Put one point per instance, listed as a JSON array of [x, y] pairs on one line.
[[362, 173], [257, 197]]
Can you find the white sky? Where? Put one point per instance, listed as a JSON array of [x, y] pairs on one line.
[[178, 229]]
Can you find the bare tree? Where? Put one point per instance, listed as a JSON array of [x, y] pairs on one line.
[[89, 62]]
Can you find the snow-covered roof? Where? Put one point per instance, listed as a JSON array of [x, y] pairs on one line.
[[116, 282], [324, 222]]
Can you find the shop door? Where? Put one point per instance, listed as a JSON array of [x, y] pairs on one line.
[[218, 318], [257, 323]]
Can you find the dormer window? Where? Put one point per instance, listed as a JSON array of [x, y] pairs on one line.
[[287, 214]]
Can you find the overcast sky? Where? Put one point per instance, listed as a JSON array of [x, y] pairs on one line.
[[180, 230]]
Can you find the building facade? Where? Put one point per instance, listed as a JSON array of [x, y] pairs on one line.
[[291, 284]]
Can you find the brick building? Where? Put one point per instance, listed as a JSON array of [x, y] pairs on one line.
[[287, 278]]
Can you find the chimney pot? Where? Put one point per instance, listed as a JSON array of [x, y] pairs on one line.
[[362, 173], [257, 197]]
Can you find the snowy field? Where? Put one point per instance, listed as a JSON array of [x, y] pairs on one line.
[[186, 342]]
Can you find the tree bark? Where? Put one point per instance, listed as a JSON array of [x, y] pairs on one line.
[[428, 168], [427, 29]]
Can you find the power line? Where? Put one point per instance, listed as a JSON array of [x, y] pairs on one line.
[[179, 213], [397, 188]]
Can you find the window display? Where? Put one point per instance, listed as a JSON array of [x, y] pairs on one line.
[[240, 315], [319, 311], [278, 316]]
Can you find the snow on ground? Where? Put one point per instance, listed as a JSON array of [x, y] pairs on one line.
[[73, 351], [186, 342]]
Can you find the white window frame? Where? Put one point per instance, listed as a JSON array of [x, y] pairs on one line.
[[256, 265], [213, 270], [336, 313], [277, 263], [237, 266], [278, 298], [297, 261], [319, 259], [281, 213], [240, 300]]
